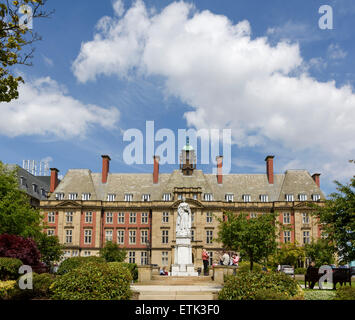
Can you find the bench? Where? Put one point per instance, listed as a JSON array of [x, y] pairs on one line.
[[340, 275]]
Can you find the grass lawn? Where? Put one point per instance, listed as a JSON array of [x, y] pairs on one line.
[[314, 294]]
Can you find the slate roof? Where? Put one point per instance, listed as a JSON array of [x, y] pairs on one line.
[[291, 182]]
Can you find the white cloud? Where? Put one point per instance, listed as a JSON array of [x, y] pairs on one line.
[[44, 108], [260, 90], [49, 62], [335, 52]]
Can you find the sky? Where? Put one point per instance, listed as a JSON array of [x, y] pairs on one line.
[[265, 70]]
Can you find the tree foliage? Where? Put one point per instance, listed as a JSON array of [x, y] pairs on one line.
[[16, 33], [111, 252], [254, 238], [50, 248], [288, 254], [337, 218], [321, 252], [17, 217]]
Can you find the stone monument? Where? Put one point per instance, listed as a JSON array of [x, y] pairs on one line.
[[183, 265]]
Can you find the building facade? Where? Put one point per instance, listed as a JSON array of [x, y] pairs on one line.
[[139, 211]]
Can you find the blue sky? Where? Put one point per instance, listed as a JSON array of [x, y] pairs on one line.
[[264, 69]]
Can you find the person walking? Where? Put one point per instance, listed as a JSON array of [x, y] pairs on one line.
[[205, 257]]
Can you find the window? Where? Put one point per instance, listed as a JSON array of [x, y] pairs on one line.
[[144, 258], [146, 197], [69, 217], [120, 218], [246, 197], [59, 196], [306, 237], [302, 197], [132, 236], [109, 217], [229, 197], [85, 196], [165, 236], [253, 215], [88, 217], [128, 197], [51, 217], [120, 236], [286, 218], [195, 196], [192, 217], [68, 236], [166, 197], [132, 218], [87, 236], [208, 197], [111, 197], [50, 232], [165, 258], [73, 196], [87, 253], [315, 197], [144, 236], [144, 218], [75, 253], [289, 197], [209, 217], [180, 197], [209, 236], [165, 217], [210, 259], [43, 192], [23, 181], [305, 218], [264, 198], [287, 236], [192, 235], [35, 188], [108, 235], [132, 257]]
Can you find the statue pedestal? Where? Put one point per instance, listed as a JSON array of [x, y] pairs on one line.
[[183, 265]]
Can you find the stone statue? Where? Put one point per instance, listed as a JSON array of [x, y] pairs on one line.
[[183, 221]]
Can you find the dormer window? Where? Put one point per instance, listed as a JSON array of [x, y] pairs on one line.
[[128, 197], [229, 197], [43, 192], [208, 197], [264, 198], [85, 196], [166, 197], [289, 197], [73, 196], [246, 197], [146, 197], [302, 197], [111, 197], [34, 188], [315, 197], [23, 181], [59, 196]]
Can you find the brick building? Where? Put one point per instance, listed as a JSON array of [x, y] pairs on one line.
[[138, 211]]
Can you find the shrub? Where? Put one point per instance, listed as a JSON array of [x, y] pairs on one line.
[[131, 266], [75, 262], [245, 285], [26, 250], [245, 266], [300, 271], [345, 293], [94, 281], [269, 294], [9, 268], [113, 253], [5, 288]]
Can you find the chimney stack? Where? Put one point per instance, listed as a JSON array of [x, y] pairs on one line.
[[270, 169], [316, 179], [54, 179], [219, 160], [105, 167], [156, 169]]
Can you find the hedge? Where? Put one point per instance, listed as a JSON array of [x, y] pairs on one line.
[[247, 286], [75, 262], [5, 288], [9, 268], [131, 266], [93, 281], [345, 293]]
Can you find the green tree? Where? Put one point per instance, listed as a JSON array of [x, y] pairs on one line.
[[50, 248], [321, 252], [288, 254], [111, 252], [337, 218], [254, 238], [17, 217], [16, 33]]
